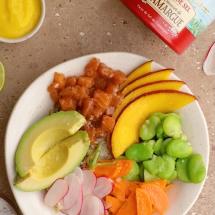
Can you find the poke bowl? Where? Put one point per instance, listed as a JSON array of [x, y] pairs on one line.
[[36, 106]]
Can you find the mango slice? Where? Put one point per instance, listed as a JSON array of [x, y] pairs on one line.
[[138, 72], [147, 78], [158, 85], [126, 131]]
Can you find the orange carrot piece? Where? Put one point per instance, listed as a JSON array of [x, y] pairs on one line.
[[132, 187], [113, 169], [120, 190], [107, 170], [129, 207], [144, 204], [161, 183], [157, 196], [113, 203], [126, 167]]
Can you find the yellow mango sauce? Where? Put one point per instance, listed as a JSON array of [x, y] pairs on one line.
[[18, 17]]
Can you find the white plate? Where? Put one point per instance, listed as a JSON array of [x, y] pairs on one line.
[[35, 103]]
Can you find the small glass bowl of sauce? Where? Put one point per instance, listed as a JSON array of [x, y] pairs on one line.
[[20, 19]]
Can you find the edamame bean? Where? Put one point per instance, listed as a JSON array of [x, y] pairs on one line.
[[150, 142], [175, 115], [181, 168], [196, 168], [160, 115], [147, 131], [168, 167], [173, 176], [133, 173], [164, 145], [183, 137], [148, 176], [159, 131], [172, 126], [155, 165], [157, 146], [178, 148], [139, 152], [154, 120]]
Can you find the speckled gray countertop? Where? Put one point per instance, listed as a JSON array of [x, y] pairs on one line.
[[74, 28]]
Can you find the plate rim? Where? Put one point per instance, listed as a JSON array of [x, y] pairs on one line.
[[207, 159]]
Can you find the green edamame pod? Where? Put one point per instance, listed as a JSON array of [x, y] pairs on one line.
[[172, 126], [196, 168], [178, 148], [139, 152], [181, 168], [147, 131], [134, 173]]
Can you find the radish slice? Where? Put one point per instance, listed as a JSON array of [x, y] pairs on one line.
[[103, 187], [91, 206], [57, 191], [209, 64], [76, 208], [73, 194], [77, 172], [89, 182], [101, 208]]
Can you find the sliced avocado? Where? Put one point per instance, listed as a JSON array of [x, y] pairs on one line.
[[59, 161], [43, 135]]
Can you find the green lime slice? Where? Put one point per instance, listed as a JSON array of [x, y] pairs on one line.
[[2, 76]]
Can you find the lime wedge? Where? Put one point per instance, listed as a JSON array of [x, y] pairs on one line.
[[2, 76]]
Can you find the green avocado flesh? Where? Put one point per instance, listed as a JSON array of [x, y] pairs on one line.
[[59, 161], [42, 136]]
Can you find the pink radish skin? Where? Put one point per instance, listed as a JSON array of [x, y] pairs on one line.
[[89, 182], [209, 63], [76, 208], [56, 192], [73, 194], [91, 206], [103, 187]]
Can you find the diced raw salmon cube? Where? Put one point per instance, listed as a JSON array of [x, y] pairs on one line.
[[86, 81], [91, 67], [108, 123]]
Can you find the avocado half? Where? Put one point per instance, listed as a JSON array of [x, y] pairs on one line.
[[42, 136], [59, 161]]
